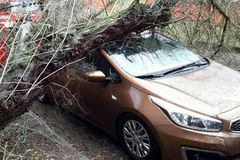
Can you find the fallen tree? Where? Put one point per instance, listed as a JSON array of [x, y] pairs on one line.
[[18, 97]]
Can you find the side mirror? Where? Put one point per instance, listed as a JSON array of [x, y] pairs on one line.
[[95, 76]]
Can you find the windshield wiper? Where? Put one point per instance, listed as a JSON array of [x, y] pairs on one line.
[[148, 76], [175, 70], [185, 68]]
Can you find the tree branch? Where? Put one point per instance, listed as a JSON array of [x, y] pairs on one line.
[[227, 20]]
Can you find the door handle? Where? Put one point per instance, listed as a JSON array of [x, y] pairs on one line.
[[114, 98]]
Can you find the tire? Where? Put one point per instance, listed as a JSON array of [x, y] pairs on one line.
[[138, 142]]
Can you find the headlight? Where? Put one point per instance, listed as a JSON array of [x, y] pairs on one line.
[[188, 119]]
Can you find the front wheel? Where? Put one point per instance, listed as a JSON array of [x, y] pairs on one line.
[[137, 139]]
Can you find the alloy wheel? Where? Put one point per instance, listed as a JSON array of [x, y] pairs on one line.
[[136, 138]]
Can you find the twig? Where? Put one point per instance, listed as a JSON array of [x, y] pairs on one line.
[[5, 151]]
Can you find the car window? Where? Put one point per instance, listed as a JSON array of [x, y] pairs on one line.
[[84, 67], [92, 62], [95, 61], [114, 75]]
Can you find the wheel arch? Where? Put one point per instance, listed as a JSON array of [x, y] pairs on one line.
[[139, 115]]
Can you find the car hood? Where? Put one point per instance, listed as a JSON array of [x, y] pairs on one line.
[[211, 90]]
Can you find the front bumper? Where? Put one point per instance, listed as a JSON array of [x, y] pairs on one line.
[[180, 144]]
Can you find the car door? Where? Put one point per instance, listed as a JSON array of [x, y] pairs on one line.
[[97, 98]]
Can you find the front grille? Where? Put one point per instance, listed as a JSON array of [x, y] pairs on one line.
[[199, 154], [235, 125], [195, 155]]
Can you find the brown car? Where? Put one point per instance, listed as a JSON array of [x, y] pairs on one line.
[[161, 100]]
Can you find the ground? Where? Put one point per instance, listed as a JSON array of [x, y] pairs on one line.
[[47, 132]]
